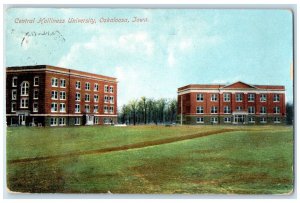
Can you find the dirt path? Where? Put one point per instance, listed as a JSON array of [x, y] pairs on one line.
[[121, 148]]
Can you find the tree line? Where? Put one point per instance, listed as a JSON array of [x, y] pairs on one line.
[[148, 111]]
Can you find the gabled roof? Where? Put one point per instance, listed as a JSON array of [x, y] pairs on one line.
[[239, 85]]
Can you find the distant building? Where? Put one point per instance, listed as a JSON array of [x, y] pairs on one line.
[[52, 96], [237, 103]]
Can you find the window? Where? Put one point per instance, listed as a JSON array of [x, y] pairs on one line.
[[251, 120], [62, 83], [200, 97], [251, 109], [276, 98], [53, 107], [87, 108], [263, 97], [87, 86], [105, 109], [24, 103], [227, 109], [111, 99], [239, 108], [14, 81], [105, 99], [106, 121], [111, 89], [13, 106], [35, 94], [239, 97], [226, 97], [263, 110], [62, 107], [62, 121], [54, 82], [87, 98], [25, 89], [77, 96], [200, 109], [96, 98], [96, 87], [77, 121], [62, 95], [214, 97], [96, 120], [54, 95], [35, 107], [199, 120], [276, 109], [14, 94], [277, 120], [96, 109], [105, 88], [53, 121], [111, 109], [214, 109], [251, 97], [227, 119], [78, 85], [214, 119], [77, 108], [263, 119], [36, 81]]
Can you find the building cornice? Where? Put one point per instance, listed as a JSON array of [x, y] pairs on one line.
[[71, 72]]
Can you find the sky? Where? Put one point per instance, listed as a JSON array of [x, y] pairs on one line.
[[173, 48]]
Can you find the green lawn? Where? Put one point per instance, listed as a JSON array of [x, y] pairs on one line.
[[252, 160]]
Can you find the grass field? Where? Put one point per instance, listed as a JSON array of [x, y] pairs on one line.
[[151, 159]]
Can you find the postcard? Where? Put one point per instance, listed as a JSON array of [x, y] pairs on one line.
[[149, 101]]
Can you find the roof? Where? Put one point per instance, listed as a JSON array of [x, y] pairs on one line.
[[233, 86], [57, 69]]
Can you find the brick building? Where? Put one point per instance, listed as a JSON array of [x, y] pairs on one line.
[[237, 103], [52, 96]]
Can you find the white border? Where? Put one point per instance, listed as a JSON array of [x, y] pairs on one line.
[[159, 4]]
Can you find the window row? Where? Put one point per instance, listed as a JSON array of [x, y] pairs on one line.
[[57, 121], [107, 99], [54, 82], [238, 97], [25, 104], [62, 95], [87, 86], [227, 109], [229, 119], [61, 121], [62, 107], [36, 81], [87, 109]]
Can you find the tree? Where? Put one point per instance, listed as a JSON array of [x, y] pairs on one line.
[[133, 104], [289, 113], [148, 110]]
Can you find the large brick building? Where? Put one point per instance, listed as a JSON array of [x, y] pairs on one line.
[[237, 103], [52, 96]]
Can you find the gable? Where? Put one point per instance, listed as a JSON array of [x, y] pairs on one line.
[[239, 85]]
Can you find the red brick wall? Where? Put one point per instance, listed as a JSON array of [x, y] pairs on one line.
[[25, 76], [190, 103]]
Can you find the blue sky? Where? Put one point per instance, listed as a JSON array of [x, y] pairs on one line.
[[174, 48]]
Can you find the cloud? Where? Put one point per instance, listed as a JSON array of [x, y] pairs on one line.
[[109, 47]]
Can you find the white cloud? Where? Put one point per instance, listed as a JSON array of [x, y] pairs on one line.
[[110, 47], [185, 44], [171, 59]]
